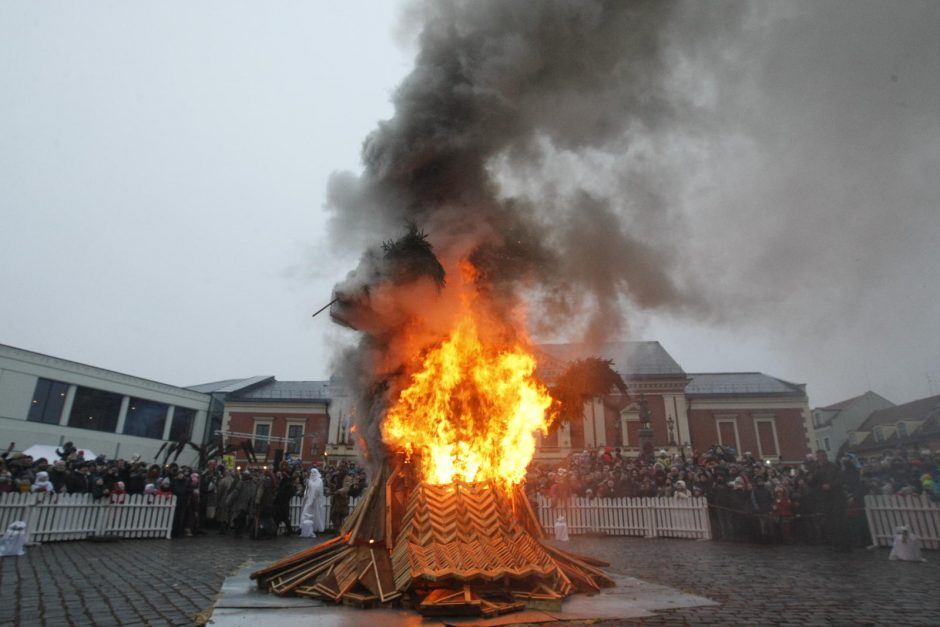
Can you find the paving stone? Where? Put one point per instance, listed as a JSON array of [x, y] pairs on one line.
[[167, 582]]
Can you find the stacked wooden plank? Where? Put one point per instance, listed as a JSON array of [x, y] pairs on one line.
[[464, 532], [459, 549]]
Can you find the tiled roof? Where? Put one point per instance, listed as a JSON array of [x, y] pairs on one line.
[[920, 409], [286, 391], [228, 385], [741, 384], [630, 359], [849, 401]]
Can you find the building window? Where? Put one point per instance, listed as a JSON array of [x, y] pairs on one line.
[[95, 409], [902, 430], [48, 401], [182, 426], [728, 433], [145, 418], [260, 439], [826, 444], [631, 426], [767, 436], [879, 436], [296, 434]]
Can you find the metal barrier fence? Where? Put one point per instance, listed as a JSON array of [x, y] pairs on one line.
[[56, 517], [918, 513], [652, 517]]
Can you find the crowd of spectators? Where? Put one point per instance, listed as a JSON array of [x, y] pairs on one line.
[[254, 498], [749, 499]]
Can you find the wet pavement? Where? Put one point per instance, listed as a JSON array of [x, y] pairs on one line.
[[176, 582]]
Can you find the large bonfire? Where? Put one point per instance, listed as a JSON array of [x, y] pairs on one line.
[[444, 526], [482, 150]]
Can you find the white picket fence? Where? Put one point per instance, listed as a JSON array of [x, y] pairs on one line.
[[56, 517], [917, 513], [656, 517]]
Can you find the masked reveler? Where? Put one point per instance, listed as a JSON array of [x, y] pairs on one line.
[[313, 514]]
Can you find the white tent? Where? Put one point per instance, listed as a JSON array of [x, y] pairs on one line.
[[44, 450]]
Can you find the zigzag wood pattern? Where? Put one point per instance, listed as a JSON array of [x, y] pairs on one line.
[[459, 549]]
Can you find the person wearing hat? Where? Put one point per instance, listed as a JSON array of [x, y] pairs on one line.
[[163, 488], [681, 491], [42, 483]]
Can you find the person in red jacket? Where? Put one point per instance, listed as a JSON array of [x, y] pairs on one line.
[[784, 514]]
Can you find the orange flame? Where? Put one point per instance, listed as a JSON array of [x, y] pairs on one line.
[[471, 410]]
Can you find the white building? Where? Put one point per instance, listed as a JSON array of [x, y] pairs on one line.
[[834, 422], [48, 400]]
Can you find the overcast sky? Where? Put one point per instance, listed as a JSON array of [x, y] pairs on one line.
[[163, 174]]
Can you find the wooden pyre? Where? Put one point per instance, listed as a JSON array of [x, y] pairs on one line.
[[455, 549]]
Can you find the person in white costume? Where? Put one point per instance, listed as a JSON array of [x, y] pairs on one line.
[[561, 528], [14, 540], [906, 546], [313, 513]]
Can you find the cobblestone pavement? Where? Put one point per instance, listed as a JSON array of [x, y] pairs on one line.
[[777, 585], [170, 582]]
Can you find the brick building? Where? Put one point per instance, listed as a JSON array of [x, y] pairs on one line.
[[752, 412], [277, 417], [749, 411]]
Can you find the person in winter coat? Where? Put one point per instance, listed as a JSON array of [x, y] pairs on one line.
[[182, 488], [762, 504], [163, 488], [59, 476], [339, 509], [240, 502], [118, 493], [783, 511], [282, 497], [264, 507], [222, 510]]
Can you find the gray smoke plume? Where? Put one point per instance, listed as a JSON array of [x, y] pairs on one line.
[[496, 86], [734, 163]]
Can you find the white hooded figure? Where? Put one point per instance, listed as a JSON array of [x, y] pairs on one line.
[[682, 492], [313, 513], [906, 546], [561, 528], [42, 483], [14, 540]]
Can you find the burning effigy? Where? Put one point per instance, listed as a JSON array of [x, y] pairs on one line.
[[444, 526], [447, 402]]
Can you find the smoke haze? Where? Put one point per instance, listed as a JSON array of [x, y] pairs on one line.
[[736, 165]]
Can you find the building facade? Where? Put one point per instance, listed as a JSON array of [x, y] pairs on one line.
[[278, 418], [749, 411], [833, 423], [913, 426], [47, 400]]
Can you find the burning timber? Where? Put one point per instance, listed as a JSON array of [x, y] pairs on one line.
[[454, 549]]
